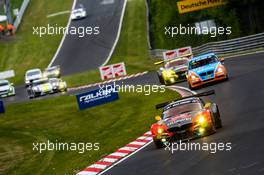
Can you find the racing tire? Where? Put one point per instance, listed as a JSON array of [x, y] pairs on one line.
[[216, 115], [158, 143], [161, 80]]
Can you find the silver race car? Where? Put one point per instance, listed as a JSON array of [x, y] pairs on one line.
[[52, 72], [58, 85], [78, 13], [39, 88], [6, 88]]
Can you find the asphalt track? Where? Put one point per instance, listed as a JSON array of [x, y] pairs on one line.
[[242, 109], [79, 54]]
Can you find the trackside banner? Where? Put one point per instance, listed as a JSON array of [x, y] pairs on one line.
[[97, 97], [193, 5]]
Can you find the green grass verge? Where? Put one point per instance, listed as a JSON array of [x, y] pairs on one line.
[[112, 125], [132, 46], [25, 50]]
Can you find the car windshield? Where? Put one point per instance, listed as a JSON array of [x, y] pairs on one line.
[[199, 63], [77, 11], [4, 83], [54, 80], [51, 69], [181, 109], [36, 83], [33, 73], [176, 63]]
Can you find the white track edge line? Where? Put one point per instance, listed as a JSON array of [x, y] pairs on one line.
[[63, 38], [118, 34], [123, 159]]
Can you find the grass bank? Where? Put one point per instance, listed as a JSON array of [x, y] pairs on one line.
[[25, 50], [58, 119]]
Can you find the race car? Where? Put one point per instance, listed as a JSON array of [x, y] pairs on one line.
[[79, 13], [52, 72], [174, 70], [58, 85], [31, 75], [39, 88], [205, 69], [6, 89], [185, 119]]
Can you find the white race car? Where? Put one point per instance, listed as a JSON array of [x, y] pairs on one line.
[[39, 88], [6, 88], [31, 75], [79, 13]]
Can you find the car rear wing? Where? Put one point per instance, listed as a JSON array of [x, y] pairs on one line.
[[202, 94], [164, 61]]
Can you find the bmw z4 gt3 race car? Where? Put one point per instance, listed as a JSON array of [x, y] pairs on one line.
[[185, 119], [174, 70], [205, 69]]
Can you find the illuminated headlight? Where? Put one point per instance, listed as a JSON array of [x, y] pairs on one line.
[[201, 120], [10, 89], [57, 72], [193, 77], [61, 85], [201, 130], [160, 131], [27, 82], [163, 140], [45, 75], [219, 70], [35, 89]]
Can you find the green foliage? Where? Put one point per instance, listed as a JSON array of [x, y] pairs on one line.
[[165, 13]]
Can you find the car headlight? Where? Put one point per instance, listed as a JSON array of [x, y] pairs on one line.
[[194, 77], [61, 85], [57, 72], [219, 70], [160, 130], [201, 119], [45, 75], [10, 89]]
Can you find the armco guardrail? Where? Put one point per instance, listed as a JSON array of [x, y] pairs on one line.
[[225, 47], [21, 13]]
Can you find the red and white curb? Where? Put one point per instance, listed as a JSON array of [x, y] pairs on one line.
[[118, 156], [109, 81]]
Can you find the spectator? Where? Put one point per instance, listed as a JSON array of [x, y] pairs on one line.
[[10, 29], [2, 29]]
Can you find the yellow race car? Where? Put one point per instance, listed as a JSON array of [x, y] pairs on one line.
[[173, 71]]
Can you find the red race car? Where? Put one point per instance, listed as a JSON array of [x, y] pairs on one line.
[[185, 119]]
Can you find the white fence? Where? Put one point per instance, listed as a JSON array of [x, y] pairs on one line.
[[21, 13], [242, 44]]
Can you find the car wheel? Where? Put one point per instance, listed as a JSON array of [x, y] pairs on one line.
[[190, 86], [158, 143], [216, 115], [161, 79]]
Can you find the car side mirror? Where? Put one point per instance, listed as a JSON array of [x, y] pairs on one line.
[[158, 118], [207, 105], [222, 60]]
